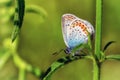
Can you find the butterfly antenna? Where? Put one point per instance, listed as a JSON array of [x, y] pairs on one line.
[[55, 53]]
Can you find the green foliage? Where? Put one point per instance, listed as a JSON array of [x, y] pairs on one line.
[[10, 49], [107, 45], [37, 10], [115, 57], [98, 57], [18, 17], [5, 2], [58, 64]]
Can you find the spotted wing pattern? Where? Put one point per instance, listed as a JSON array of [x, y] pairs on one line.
[[75, 30]]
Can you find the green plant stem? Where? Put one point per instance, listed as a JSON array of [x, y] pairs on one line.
[[21, 64], [97, 57], [60, 63], [4, 59], [21, 74], [12, 51], [98, 28], [96, 70]]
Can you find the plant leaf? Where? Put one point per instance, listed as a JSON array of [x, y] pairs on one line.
[[18, 17], [116, 57], [5, 2], [107, 45], [56, 65], [34, 70], [36, 9]]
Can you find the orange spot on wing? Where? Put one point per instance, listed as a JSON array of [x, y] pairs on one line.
[[83, 27], [69, 17]]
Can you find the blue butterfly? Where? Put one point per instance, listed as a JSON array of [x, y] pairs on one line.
[[75, 31]]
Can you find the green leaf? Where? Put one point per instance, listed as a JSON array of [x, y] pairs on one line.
[[34, 70], [116, 57], [15, 33], [5, 2], [107, 45], [58, 64], [36, 9], [18, 17]]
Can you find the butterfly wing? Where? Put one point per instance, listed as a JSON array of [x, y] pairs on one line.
[[76, 36], [66, 21], [75, 30], [89, 26]]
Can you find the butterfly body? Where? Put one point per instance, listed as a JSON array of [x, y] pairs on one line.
[[75, 31]]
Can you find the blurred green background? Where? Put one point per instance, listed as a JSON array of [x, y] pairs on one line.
[[39, 38]]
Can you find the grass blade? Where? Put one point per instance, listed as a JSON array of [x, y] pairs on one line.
[[107, 45], [18, 17], [37, 10]]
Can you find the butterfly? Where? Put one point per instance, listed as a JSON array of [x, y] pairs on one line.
[[75, 31]]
